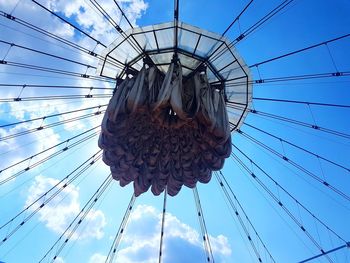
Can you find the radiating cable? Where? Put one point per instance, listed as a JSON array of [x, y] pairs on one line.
[[300, 50], [41, 161], [79, 171], [54, 71], [293, 121], [244, 227], [52, 115], [237, 17], [65, 142], [289, 194], [46, 86], [160, 255], [301, 102], [205, 235], [278, 201], [68, 233], [58, 97], [46, 54], [296, 165], [298, 147], [251, 29], [69, 23], [68, 43], [51, 125], [114, 247]]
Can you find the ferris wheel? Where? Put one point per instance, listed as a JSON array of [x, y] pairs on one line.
[[139, 131]]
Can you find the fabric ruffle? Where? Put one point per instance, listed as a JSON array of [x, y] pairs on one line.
[[161, 131]]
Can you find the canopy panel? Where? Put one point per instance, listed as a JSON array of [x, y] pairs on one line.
[[225, 69]]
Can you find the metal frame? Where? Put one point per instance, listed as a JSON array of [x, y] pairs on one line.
[[175, 48], [203, 61]]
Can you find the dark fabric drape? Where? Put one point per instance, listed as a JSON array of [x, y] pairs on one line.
[[159, 131]]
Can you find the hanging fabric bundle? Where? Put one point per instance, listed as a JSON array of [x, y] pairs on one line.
[[159, 131]]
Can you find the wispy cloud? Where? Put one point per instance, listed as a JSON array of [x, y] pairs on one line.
[[58, 213], [85, 17], [12, 151]]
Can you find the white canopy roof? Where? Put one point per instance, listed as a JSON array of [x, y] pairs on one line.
[[224, 66]]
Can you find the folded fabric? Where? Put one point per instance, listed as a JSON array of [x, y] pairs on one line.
[[165, 132]]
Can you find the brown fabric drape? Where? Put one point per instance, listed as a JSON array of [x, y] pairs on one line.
[[159, 131]]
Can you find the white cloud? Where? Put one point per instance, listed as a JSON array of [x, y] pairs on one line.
[[182, 243], [221, 243], [134, 10], [12, 151], [61, 210], [97, 258], [91, 20], [65, 31], [59, 260], [86, 17]]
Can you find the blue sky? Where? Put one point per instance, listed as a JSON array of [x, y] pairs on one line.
[[302, 24]]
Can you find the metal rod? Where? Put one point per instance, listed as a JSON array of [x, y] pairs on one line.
[[115, 244], [237, 17], [162, 229], [69, 23], [176, 25], [205, 235], [300, 50], [326, 252], [302, 102]]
